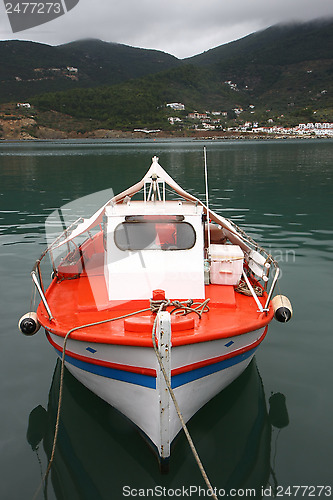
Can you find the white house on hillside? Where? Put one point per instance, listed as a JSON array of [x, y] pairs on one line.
[[24, 105], [177, 106]]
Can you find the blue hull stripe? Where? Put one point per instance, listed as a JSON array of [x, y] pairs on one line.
[[104, 371], [186, 377], [150, 382]]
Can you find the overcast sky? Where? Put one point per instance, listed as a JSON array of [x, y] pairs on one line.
[[180, 27]]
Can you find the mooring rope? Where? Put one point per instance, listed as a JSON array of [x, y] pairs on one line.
[[61, 384], [179, 413], [153, 308], [182, 308], [244, 289]]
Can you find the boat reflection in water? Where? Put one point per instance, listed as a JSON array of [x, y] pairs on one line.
[[99, 451]]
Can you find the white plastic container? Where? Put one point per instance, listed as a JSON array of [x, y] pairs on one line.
[[226, 264]]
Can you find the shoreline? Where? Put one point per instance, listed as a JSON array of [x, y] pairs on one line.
[[16, 125], [53, 134]]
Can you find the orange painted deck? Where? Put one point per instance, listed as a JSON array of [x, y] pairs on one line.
[[73, 304]]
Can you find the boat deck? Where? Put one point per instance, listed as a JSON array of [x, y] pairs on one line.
[[83, 300]]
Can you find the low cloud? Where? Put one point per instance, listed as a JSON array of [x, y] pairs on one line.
[[179, 27]]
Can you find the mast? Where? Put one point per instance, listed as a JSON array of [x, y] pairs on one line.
[[207, 199]]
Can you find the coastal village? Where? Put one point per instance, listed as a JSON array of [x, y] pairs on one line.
[[213, 120], [21, 122]]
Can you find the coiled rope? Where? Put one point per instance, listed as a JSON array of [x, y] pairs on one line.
[[244, 289], [155, 306], [181, 308]]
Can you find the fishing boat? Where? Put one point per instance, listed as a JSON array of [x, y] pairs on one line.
[[156, 303]]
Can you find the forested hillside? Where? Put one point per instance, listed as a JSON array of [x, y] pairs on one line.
[[29, 68], [282, 74]]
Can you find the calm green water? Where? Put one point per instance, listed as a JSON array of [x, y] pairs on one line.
[[282, 193]]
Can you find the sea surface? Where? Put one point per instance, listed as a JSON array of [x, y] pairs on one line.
[[272, 429]]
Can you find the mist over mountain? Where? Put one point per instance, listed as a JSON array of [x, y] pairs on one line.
[[285, 70]]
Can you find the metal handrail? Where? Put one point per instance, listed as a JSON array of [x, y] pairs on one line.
[[36, 274], [38, 261], [271, 290], [41, 293], [254, 295]]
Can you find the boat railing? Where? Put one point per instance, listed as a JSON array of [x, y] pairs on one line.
[[152, 189], [36, 273], [266, 265], [272, 287], [41, 293]]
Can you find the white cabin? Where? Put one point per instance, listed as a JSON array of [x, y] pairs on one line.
[[154, 245]]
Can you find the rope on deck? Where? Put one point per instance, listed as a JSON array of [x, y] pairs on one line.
[[244, 289], [186, 306]]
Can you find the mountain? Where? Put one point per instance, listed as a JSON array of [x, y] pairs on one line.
[[142, 102], [282, 74], [29, 68], [111, 63], [291, 62], [280, 44]]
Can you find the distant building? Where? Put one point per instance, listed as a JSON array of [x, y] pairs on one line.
[[232, 85], [174, 119], [197, 116], [26, 105], [208, 126], [177, 106], [324, 125], [147, 131]]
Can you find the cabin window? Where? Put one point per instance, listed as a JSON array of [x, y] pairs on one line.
[[154, 234]]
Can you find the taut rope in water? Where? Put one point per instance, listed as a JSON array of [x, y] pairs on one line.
[[179, 413], [61, 384]]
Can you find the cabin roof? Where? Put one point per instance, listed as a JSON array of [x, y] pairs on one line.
[[146, 208]]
